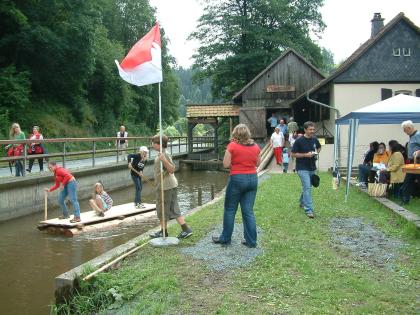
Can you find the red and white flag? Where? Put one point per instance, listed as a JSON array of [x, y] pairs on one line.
[[143, 63]]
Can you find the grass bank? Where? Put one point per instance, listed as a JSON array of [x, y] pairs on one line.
[[301, 270]]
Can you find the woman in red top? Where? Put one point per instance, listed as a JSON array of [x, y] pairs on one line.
[[242, 156], [35, 148], [67, 180]]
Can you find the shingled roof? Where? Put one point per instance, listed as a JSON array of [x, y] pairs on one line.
[[212, 110], [359, 53], [284, 54]]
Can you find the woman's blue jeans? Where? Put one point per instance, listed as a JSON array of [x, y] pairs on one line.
[[69, 190], [306, 196], [241, 189], [138, 186]]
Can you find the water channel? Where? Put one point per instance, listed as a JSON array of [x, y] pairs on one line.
[[30, 260]]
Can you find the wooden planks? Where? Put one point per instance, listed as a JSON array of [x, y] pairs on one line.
[[90, 217]]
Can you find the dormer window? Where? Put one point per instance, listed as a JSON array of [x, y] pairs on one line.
[[405, 92], [396, 52], [406, 52]]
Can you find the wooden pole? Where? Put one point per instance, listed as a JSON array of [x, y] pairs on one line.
[[161, 168], [104, 267], [212, 191], [45, 205], [200, 196]]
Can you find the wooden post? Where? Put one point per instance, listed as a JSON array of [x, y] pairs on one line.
[[212, 191], [64, 154], [200, 196], [25, 156], [93, 153], [45, 205]]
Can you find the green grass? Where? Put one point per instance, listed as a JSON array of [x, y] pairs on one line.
[[299, 272]]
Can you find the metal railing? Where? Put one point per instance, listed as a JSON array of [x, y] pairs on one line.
[[99, 147]]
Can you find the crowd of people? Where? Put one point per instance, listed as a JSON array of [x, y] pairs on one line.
[[384, 165], [242, 157]]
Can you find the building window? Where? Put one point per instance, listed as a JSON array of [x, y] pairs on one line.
[[406, 92], [396, 52], [406, 52]]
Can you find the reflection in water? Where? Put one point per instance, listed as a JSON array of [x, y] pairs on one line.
[[30, 260]]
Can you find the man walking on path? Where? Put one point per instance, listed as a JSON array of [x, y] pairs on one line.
[[305, 150], [413, 152], [277, 143], [292, 126], [273, 122]]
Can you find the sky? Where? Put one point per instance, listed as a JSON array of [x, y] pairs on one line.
[[348, 23]]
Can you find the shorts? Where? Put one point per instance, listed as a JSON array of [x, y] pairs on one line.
[[171, 204]]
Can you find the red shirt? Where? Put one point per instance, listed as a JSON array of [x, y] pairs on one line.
[[244, 158], [62, 176]]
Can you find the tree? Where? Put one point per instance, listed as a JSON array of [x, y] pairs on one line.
[[239, 38], [328, 61]]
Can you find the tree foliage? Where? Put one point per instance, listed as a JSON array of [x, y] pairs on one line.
[[57, 64], [239, 38]]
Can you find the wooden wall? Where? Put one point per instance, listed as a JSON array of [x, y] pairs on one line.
[[290, 70]]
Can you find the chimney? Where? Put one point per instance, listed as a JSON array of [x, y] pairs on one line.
[[377, 24]]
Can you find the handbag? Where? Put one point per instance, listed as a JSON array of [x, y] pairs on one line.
[[377, 189]]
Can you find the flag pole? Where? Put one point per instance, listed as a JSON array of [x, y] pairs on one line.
[[161, 167]]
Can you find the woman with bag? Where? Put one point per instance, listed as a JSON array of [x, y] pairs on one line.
[[36, 148], [14, 150]]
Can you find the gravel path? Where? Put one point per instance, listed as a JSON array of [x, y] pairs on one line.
[[218, 257], [364, 241]]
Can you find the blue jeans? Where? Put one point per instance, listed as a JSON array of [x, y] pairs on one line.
[[364, 173], [137, 185], [306, 197], [241, 189], [18, 168], [69, 190]]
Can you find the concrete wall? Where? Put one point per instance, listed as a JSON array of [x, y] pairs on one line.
[[23, 196]]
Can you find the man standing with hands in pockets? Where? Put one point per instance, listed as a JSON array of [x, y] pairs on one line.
[[305, 150]]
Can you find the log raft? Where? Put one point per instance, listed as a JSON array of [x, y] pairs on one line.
[[121, 215]]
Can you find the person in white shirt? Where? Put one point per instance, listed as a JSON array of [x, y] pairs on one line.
[[277, 143], [122, 143]]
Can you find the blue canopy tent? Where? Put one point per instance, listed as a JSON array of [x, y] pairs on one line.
[[393, 110]]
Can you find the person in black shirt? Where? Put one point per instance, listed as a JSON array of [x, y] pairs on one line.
[[364, 169], [305, 150], [136, 163]]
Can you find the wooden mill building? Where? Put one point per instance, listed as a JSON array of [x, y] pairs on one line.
[[275, 89]]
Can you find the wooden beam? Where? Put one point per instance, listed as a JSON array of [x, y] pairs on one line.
[[280, 88], [209, 120]]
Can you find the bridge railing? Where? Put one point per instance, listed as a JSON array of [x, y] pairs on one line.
[[74, 148]]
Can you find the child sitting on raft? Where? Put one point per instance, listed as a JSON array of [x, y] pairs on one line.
[[102, 202]]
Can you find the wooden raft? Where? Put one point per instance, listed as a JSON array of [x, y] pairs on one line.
[[90, 221]]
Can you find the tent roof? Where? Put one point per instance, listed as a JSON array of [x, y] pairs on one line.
[[393, 110]]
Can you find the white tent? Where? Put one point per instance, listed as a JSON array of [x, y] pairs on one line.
[[393, 110]]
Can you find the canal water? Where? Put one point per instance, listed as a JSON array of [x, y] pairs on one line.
[[30, 260]]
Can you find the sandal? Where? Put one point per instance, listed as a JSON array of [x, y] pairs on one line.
[[63, 217], [75, 220]]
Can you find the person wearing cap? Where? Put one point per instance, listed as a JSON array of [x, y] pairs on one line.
[[136, 163]]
